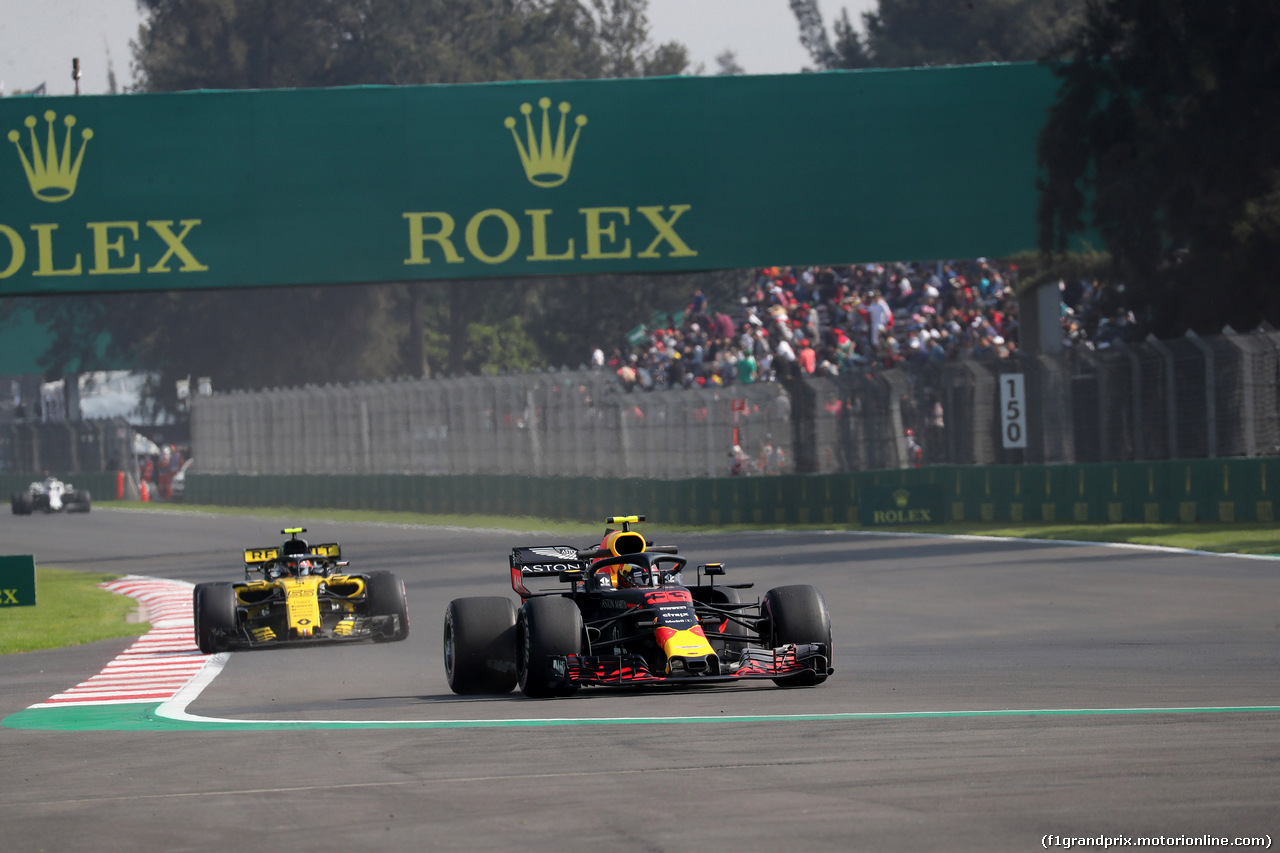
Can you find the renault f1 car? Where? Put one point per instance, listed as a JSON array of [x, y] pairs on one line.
[[628, 619], [50, 495], [304, 595]]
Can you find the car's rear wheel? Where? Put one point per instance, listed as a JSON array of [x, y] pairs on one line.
[[798, 614], [547, 628], [480, 645], [215, 614], [386, 597]]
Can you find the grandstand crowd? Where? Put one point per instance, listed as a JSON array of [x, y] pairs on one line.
[[828, 320]]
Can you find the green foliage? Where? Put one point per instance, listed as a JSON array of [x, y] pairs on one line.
[[1163, 141], [70, 609], [907, 33], [904, 33], [849, 50], [266, 44], [1037, 268]]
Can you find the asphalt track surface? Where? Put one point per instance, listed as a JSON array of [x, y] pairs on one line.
[[987, 694]]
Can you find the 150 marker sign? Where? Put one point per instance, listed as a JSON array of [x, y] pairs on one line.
[[1013, 411]]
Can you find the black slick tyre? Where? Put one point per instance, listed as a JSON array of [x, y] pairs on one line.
[[547, 627], [797, 614], [215, 616], [80, 501], [386, 597], [480, 645], [20, 504]]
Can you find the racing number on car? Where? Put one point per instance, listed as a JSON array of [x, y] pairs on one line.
[[668, 596], [1013, 411]]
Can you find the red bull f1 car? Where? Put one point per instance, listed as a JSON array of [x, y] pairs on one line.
[[623, 616], [304, 595]]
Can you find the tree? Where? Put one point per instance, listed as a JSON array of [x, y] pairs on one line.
[[727, 65], [1165, 141], [905, 33], [849, 50]]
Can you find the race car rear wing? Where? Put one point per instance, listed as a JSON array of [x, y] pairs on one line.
[[256, 558], [543, 561]]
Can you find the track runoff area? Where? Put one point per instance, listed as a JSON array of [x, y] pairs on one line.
[[152, 683]]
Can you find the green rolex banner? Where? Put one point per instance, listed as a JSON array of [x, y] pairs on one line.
[[890, 506], [367, 184], [17, 581]]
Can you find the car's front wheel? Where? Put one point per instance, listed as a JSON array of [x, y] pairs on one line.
[[215, 615], [798, 614], [547, 629], [480, 645], [21, 504], [387, 598]]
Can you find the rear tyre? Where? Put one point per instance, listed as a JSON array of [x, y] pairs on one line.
[[386, 598], [547, 627], [797, 614], [21, 504], [215, 612], [480, 645]]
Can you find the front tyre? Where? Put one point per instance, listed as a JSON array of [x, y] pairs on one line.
[[386, 597], [215, 616], [21, 504], [547, 628], [798, 614], [480, 645]]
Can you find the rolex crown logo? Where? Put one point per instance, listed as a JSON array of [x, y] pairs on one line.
[[901, 497], [52, 176], [546, 161]]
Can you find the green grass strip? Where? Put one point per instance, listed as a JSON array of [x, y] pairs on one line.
[[143, 717], [70, 610]]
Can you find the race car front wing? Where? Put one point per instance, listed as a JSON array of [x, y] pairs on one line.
[[753, 663]]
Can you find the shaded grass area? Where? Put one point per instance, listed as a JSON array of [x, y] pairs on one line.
[[70, 610], [1235, 538]]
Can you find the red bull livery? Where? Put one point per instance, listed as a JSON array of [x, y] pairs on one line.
[[623, 616]]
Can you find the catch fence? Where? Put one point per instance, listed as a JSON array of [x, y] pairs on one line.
[[1181, 399]]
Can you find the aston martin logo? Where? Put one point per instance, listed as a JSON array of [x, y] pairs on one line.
[[555, 553]]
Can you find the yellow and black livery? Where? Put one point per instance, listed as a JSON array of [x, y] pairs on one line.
[[304, 594]]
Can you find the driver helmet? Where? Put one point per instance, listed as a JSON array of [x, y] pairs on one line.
[[636, 577], [294, 565]]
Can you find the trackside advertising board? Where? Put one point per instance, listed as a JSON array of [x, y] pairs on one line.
[[892, 506], [17, 581], [370, 184]]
